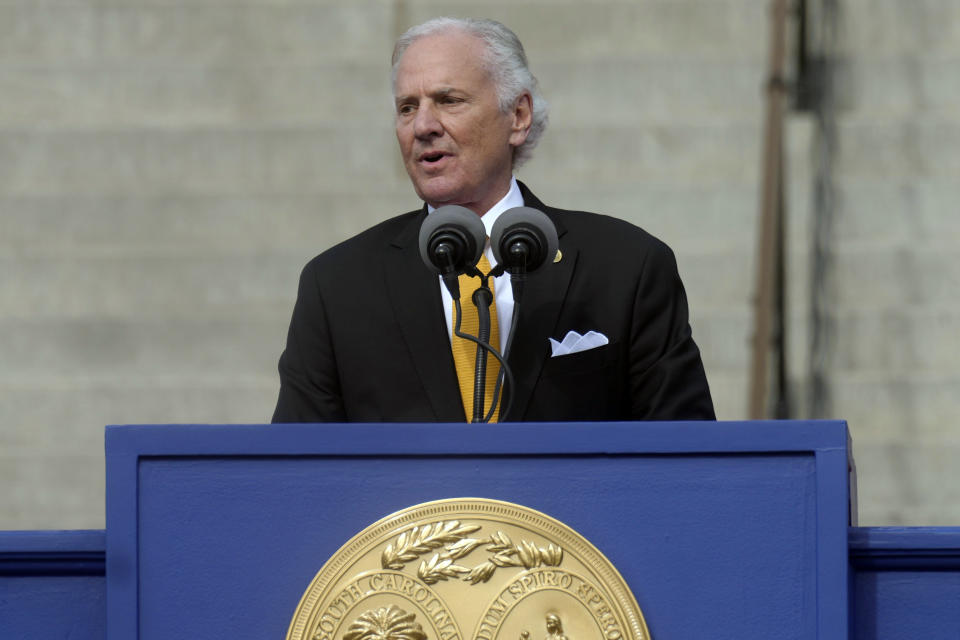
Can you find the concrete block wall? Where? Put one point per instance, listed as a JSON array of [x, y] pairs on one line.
[[894, 372], [167, 168], [165, 171]]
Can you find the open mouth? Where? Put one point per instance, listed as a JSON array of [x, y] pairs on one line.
[[432, 157]]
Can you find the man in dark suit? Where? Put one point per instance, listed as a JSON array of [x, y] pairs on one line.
[[369, 340]]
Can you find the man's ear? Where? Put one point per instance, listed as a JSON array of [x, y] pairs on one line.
[[522, 118]]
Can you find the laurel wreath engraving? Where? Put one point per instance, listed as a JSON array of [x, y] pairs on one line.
[[456, 543]]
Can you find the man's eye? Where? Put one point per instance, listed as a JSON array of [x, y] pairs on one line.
[[405, 109]]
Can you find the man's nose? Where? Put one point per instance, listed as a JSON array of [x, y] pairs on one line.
[[426, 123]]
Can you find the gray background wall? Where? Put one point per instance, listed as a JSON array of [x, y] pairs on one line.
[[167, 168]]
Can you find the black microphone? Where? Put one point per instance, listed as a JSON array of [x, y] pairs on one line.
[[451, 242], [523, 239], [452, 239]]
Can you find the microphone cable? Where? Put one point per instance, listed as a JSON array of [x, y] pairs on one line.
[[504, 368]]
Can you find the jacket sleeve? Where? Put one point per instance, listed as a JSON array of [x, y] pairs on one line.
[[666, 376], [309, 380]]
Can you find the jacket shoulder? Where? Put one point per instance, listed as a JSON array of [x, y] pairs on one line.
[[366, 246], [610, 239]]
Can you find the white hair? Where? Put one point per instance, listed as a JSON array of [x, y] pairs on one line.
[[504, 59]]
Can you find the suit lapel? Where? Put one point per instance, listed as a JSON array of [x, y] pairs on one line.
[[544, 295], [414, 294]]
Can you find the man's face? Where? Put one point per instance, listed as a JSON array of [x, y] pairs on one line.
[[457, 145]]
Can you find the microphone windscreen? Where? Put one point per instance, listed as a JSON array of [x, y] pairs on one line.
[[452, 239], [529, 229]]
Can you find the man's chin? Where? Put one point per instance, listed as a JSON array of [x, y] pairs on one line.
[[437, 195]]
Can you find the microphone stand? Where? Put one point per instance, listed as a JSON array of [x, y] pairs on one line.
[[518, 278], [483, 344], [482, 298]]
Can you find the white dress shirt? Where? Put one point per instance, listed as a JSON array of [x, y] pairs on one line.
[[501, 284]]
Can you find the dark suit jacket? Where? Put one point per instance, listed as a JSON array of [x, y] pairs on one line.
[[368, 340]]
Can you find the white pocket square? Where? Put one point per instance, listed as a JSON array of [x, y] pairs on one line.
[[574, 342]]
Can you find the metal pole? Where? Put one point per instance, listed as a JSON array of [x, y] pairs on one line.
[[767, 246]]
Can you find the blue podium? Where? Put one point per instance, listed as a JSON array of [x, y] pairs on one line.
[[721, 530]]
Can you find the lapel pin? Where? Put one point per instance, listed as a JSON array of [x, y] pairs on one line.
[[557, 257]]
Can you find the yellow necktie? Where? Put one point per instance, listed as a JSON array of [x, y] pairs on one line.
[[465, 351]]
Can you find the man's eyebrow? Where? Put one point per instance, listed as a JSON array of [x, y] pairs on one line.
[[401, 101], [436, 93]]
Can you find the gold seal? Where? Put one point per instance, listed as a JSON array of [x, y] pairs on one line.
[[468, 569]]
